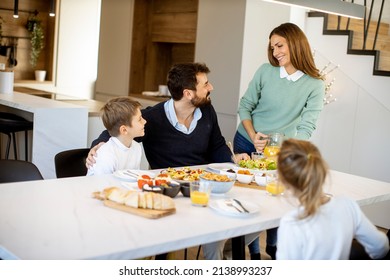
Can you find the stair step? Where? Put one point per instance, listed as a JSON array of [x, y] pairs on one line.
[[382, 43], [356, 25], [384, 61]]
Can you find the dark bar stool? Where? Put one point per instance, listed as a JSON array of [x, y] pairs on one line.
[[9, 125]]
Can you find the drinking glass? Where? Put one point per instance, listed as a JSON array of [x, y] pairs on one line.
[[273, 186], [200, 193], [257, 155]]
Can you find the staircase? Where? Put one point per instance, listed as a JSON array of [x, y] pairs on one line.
[[354, 28]]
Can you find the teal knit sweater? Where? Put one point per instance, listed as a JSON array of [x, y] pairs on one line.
[[280, 105]]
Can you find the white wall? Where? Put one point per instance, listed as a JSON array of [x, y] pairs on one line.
[[77, 47], [219, 43], [114, 48]]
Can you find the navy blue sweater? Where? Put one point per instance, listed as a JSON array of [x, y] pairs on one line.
[[167, 147]]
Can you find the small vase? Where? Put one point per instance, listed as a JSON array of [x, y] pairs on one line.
[[40, 75]]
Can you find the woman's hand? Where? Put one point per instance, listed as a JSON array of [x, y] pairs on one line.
[[238, 157], [260, 141], [90, 161]]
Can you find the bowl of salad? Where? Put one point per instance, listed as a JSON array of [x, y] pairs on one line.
[[261, 165]]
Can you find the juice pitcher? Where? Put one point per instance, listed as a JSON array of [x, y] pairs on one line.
[[274, 143]]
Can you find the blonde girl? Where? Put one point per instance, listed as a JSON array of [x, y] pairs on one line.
[[322, 227]]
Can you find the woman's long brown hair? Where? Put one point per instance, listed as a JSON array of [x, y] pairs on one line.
[[300, 52]]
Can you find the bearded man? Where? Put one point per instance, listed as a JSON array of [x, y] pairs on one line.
[[184, 130]]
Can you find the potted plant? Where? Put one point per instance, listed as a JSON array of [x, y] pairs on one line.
[[3, 49], [34, 27]]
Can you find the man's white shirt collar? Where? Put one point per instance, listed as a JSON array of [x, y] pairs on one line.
[[293, 77], [171, 115]]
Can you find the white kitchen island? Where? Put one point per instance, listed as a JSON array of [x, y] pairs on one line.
[[58, 126]]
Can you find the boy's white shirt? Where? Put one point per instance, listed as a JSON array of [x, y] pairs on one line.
[[113, 156]]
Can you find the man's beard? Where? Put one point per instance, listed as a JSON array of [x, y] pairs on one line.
[[201, 102]]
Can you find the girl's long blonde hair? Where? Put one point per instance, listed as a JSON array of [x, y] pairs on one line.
[[302, 169]]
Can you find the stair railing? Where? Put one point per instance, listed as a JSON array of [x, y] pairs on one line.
[[366, 21]]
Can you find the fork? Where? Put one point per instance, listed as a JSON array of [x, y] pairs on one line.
[[242, 206], [230, 204], [232, 152], [131, 174]]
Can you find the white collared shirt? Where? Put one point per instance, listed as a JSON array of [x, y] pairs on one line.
[[171, 115], [293, 77]]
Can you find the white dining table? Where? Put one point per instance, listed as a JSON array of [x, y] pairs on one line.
[[57, 219]]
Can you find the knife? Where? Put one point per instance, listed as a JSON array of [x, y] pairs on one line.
[[242, 206]]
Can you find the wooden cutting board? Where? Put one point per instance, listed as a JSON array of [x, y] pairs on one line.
[[251, 185], [147, 213]]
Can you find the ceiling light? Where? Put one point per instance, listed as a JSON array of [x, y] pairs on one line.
[[336, 7], [16, 9], [52, 11]]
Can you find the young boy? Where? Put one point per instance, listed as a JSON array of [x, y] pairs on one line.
[[123, 120]]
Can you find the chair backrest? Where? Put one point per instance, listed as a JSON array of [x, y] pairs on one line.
[[71, 163], [18, 171]]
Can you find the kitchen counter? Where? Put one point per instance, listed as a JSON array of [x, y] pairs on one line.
[[58, 126], [93, 106], [35, 92]]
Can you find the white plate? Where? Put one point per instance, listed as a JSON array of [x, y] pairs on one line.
[[133, 186], [122, 174], [220, 206], [217, 167]]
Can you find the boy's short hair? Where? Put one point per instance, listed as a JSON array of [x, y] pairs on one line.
[[117, 112]]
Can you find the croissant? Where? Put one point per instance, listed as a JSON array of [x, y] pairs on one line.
[[146, 200]]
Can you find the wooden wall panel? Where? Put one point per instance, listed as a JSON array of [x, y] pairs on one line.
[[164, 33], [139, 46], [175, 6], [174, 27], [182, 53]]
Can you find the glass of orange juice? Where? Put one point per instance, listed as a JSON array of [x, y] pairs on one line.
[[273, 187], [200, 193]]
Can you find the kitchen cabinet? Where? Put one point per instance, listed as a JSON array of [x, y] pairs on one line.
[[15, 38], [164, 33]]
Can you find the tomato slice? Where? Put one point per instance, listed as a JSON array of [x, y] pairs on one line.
[[142, 182], [159, 182]]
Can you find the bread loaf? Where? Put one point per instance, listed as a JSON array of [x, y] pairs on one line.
[[146, 200], [118, 195], [132, 199]]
